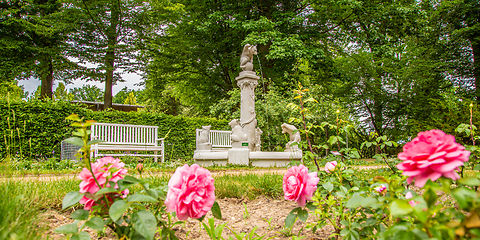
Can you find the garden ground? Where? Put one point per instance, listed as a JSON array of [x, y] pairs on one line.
[[248, 199], [266, 215]]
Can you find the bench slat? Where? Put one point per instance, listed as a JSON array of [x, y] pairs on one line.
[[127, 137]]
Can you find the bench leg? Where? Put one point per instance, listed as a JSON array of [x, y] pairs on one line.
[[156, 161]]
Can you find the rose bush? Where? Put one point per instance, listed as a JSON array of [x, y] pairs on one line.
[[430, 155], [191, 192]]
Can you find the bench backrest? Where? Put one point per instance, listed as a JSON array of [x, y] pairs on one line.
[[125, 134], [218, 139]]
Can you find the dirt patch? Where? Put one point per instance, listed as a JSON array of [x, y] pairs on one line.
[[241, 216]]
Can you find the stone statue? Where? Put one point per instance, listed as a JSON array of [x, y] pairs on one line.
[[203, 139], [294, 137], [258, 141], [246, 60], [238, 136]]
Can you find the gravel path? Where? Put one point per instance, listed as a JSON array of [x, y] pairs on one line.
[[280, 171]]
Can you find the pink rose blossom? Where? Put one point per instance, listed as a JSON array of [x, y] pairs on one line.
[[380, 189], [430, 155], [336, 153], [106, 170], [139, 168], [330, 166], [299, 185], [411, 202], [191, 192]]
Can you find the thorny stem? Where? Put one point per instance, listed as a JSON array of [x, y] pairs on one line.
[[471, 124], [306, 133], [89, 165]]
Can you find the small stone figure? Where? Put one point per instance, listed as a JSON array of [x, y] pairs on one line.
[[246, 60], [203, 139], [238, 136], [258, 141], [294, 137]]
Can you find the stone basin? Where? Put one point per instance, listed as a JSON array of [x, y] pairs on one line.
[[245, 157]]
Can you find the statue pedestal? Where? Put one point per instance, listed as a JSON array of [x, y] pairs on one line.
[[238, 156], [204, 146]]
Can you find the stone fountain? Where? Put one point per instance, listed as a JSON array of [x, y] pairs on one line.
[[245, 135]]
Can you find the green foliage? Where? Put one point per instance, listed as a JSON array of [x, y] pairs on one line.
[[35, 129], [87, 93]]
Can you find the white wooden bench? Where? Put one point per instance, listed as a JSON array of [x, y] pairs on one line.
[[219, 139], [127, 138]]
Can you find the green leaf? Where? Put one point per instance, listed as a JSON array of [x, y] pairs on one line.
[[400, 207], [80, 214], [355, 201], [464, 197], [332, 140], [92, 142], [75, 141], [131, 179], [145, 223], [141, 198], [430, 196], [370, 202], [105, 190], [217, 213], [328, 186], [302, 214], [117, 209], [95, 223], [70, 199], [81, 236], [310, 206], [68, 228], [291, 217], [470, 181]]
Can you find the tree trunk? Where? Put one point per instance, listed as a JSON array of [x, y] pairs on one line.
[[112, 36], [476, 67], [46, 77]]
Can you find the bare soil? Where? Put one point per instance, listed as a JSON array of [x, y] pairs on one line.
[[265, 215]]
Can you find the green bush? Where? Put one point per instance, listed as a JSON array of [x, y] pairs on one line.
[[35, 129]]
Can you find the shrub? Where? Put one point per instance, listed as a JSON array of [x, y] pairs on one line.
[[35, 129]]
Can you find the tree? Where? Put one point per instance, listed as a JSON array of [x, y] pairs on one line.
[[372, 41], [196, 60], [32, 35], [87, 93], [61, 93], [457, 23], [109, 35], [129, 96]]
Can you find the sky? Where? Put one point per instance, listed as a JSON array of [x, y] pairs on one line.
[[131, 82]]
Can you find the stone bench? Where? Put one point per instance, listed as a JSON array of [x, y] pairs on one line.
[[219, 140]]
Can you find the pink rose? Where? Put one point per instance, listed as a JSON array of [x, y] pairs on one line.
[[330, 166], [335, 153], [191, 192], [411, 202], [430, 155], [139, 168], [299, 185], [106, 170], [380, 188]]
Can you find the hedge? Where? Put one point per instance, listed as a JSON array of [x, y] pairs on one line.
[[35, 129]]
